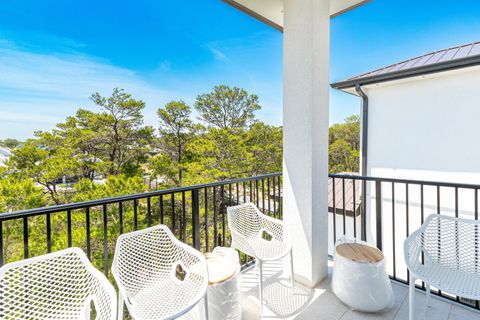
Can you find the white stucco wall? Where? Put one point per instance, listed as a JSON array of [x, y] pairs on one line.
[[426, 128]]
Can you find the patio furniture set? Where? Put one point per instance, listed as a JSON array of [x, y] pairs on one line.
[[159, 277]]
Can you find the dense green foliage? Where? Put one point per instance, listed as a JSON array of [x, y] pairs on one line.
[[110, 152], [344, 146]]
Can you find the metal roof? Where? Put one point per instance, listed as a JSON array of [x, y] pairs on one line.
[[447, 59]]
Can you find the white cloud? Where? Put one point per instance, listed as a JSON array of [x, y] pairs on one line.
[[38, 90]]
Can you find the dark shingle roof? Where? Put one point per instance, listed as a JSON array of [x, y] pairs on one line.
[[446, 59]]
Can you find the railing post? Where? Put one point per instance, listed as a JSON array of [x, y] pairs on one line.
[[196, 219], [1, 243], [363, 211], [378, 209]]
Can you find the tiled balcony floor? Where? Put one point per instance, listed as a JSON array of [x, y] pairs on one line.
[[283, 302]]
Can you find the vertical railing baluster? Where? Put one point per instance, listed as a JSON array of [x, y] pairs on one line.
[[207, 227], [252, 200], [274, 198], [257, 200], [215, 218], [135, 214], [149, 212], [378, 209], [69, 228], [105, 241], [195, 219], [25, 238], [393, 232], [120, 216], [344, 208], [244, 192], [87, 228], [364, 213], [422, 219], [438, 199], [280, 197], [184, 218], [2, 260], [222, 212], [172, 204], [238, 194], [407, 217], [230, 194], [477, 244], [457, 245], [263, 196], [438, 229], [268, 196], [334, 199], [162, 213], [49, 232], [354, 209], [456, 202]]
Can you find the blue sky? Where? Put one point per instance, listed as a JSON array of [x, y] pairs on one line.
[[54, 54]]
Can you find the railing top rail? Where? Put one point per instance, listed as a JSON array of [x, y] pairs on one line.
[[94, 203], [405, 181]]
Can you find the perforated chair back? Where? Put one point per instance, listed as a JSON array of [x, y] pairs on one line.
[[61, 285], [445, 253], [248, 226], [158, 276]]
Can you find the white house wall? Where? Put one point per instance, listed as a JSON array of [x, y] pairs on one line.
[[422, 129], [426, 129]]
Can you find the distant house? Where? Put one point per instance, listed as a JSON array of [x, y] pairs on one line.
[[5, 153], [420, 117]]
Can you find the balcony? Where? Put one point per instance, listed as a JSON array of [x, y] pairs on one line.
[[380, 211]]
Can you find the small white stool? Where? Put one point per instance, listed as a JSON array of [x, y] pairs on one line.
[[223, 285], [359, 277]]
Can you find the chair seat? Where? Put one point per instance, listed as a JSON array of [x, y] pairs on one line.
[[268, 250], [460, 283], [165, 299]]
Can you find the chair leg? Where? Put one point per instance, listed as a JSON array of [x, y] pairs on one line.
[[428, 293], [260, 278], [411, 302], [120, 307], [205, 299], [292, 275]]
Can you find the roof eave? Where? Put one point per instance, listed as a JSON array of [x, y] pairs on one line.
[[278, 24], [413, 72]]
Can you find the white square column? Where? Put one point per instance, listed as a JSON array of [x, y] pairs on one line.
[[305, 146]]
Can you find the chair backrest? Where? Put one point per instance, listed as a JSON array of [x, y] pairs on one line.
[[151, 256], [245, 219], [452, 242], [60, 285]]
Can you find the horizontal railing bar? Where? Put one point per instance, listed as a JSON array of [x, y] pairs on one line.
[[94, 203], [415, 182]]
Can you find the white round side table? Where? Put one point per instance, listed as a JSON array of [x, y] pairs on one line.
[[223, 285], [359, 277]]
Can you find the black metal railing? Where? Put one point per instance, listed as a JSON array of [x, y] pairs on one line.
[[195, 214], [382, 211], [387, 210]]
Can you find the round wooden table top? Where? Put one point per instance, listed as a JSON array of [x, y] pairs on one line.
[[220, 269], [359, 252]]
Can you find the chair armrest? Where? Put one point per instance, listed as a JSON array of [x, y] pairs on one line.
[[241, 243], [276, 227], [413, 247]]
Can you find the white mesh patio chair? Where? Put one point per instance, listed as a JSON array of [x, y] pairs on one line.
[[259, 236], [61, 285], [158, 276], [444, 253]]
